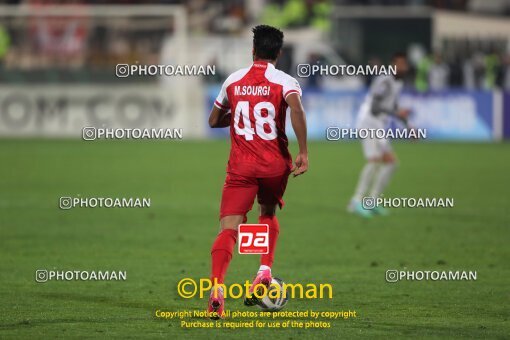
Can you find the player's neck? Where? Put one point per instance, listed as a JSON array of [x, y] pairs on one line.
[[265, 61]]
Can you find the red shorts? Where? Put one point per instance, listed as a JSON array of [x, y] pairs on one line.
[[239, 193]]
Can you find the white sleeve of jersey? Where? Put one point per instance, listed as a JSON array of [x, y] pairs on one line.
[[291, 85], [221, 101], [380, 87]]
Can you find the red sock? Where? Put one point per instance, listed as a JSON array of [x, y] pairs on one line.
[[274, 230], [221, 253]]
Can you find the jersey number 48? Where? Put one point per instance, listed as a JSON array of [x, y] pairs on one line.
[[243, 109]]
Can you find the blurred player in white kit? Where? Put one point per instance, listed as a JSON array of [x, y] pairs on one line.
[[380, 104]]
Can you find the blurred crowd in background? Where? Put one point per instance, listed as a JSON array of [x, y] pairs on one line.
[[80, 48], [499, 7]]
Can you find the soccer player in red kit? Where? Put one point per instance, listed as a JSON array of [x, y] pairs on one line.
[[253, 103]]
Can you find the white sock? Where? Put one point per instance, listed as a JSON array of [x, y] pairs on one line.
[[364, 181], [264, 267], [382, 179]]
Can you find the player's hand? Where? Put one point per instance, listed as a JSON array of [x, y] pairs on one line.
[[404, 113], [301, 164]]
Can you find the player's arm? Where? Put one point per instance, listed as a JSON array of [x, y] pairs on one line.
[[298, 120], [220, 112], [219, 118], [379, 92], [403, 115]]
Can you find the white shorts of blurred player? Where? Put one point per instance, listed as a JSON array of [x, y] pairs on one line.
[[373, 148]]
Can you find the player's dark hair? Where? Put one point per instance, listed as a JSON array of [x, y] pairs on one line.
[[398, 54], [267, 42]]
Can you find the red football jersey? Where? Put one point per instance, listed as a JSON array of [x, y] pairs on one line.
[[256, 98]]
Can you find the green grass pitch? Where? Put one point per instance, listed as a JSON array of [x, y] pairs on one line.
[[319, 241]]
